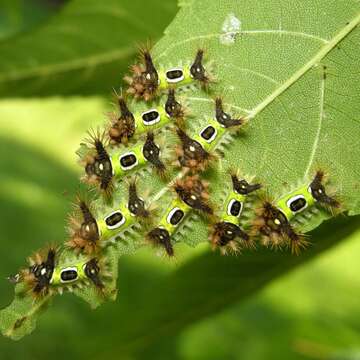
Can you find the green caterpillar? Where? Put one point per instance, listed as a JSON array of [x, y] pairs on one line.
[[195, 153], [90, 234], [44, 275], [168, 225], [274, 218], [129, 124], [192, 194], [101, 168], [147, 82], [226, 232]]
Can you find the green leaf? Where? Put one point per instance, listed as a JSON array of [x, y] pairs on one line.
[[84, 48], [273, 73], [310, 313], [294, 82], [18, 16]]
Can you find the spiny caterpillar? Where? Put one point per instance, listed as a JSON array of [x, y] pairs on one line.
[[147, 82], [192, 195], [226, 233], [274, 220], [195, 153], [45, 276], [101, 168], [128, 124], [90, 234]]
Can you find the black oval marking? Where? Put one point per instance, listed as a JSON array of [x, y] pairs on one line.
[[174, 75], [114, 219], [297, 204], [68, 275], [150, 117], [128, 160], [235, 208], [208, 133], [176, 217]]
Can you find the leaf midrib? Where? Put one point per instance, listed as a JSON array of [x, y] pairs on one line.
[[63, 67], [315, 60]]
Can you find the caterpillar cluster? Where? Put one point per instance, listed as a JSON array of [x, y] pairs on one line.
[[112, 160]]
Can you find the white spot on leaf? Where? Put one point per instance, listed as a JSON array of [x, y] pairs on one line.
[[230, 29]]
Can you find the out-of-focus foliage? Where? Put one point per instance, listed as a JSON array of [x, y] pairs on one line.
[[18, 16], [84, 48], [312, 313]]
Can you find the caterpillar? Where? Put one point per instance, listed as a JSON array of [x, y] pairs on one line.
[[89, 233], [147, 82], [44, 276], [128, 124], [226, 233], [195, 154], [274, 219], [101, 168], [192, 195]]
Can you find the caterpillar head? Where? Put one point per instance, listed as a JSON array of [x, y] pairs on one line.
[[175, 109], [123, 126], [144, 82], [198, 71], [276, 229], [97, 163], [38, 276], [92, 271], [136, 204], [152, 154], [84, 229], [194, 192], [318, 192], [241, 186], [224, 118], [160, 237], [229, 237], [191, 155]]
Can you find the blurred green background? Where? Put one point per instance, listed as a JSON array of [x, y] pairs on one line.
[[311, 312]]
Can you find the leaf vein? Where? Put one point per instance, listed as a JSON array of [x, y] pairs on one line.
[[51, 69], [318, 130], [270, 31], [256, 73], [314, 61]]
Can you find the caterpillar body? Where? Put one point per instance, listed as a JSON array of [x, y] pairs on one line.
[[129, 124], [192, 195], [275, 218], [101, 168], [227, 230], [44, 275], [147, 82], [196, 153], [168, 224], [92, 233]]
